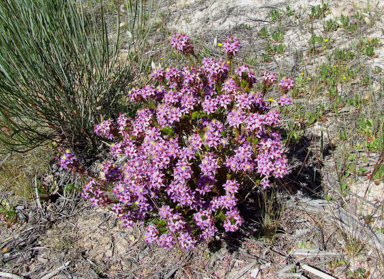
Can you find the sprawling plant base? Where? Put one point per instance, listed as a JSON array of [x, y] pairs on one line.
[[204, 140]]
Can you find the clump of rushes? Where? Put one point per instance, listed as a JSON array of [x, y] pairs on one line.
[[60, 71], [203, 142]]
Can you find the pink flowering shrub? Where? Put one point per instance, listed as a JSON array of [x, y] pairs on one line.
[[203, 141]]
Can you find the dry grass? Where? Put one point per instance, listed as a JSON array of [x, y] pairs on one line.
[[18, 171]]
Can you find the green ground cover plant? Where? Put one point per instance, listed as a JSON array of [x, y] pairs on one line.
[[319, 11], [8, 211]]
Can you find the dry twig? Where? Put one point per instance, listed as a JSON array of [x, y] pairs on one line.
[[317, 272], [10, 275], [53, 273]]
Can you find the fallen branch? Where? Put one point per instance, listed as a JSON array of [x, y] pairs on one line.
[[9, 154], [244, 270], [314, 253], [37, 195], [170, 274], [53, 273], [317, 272], [344, 220], [283, 272], [10, 275]]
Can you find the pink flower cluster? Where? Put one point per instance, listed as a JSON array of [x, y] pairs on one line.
[[68, 159], [269, 79], [183, 158], [231, 47], [286, 84], [285, 100], [182, 43]]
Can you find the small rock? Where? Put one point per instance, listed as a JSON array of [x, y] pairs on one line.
[[48, 179], [121, 246], [40, 258], [131, 238], [255, 272], [127, 264]]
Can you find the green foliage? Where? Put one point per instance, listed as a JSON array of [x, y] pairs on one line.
[[18, 171], [335, 263], [289, 11], [275, 49], [372, 133], [359, 273], [294, 134], [319, 12], [355, 101], [367, 46], [272, 210], [348, 24], [343, 54], [331, 25], [314, 42], [61, 71], [278, 35], [275, 15], [370, 51], [378, 173], [313, 117], [246, 26], [344, 20], [266, 58], [263, 33], [315, 39], [8, 211]]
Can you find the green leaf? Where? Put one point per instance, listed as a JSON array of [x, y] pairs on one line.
[[196, 114], [168, 131]]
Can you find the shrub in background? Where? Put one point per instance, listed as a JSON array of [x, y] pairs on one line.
[[60, 72], [186, 161]]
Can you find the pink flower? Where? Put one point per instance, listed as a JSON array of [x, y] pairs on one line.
[[231, 47], [181, 163], [230, 86], [233, 221], [111, 172], [173, 74], [242, 71], [151, 234], [286, 84], [158, 74], [231, 186], [209, 164], [285, 100], [186, 241], [182, 43], [68, 159], [215, 70], [269, 79], [196, 141], [210, 105], [104, 129], [165, 211], [235, 118]]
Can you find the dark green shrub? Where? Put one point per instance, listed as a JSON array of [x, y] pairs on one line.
[[60, 71]]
